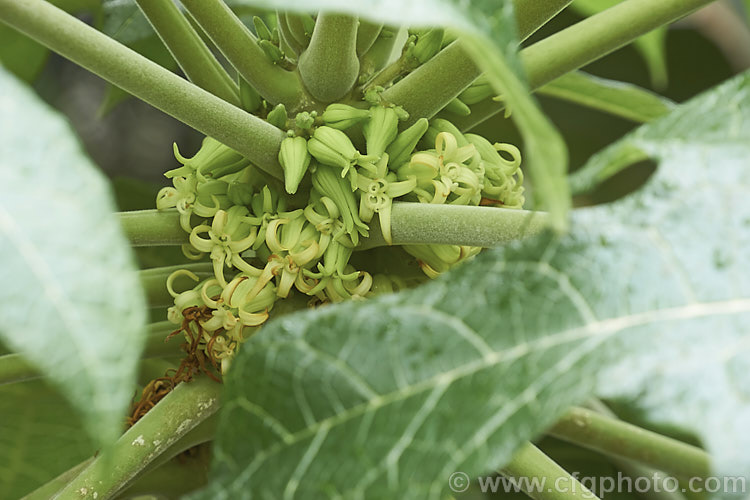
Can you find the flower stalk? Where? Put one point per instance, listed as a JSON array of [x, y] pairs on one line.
[[329, 66], [242, 50], [186, 46], [121, 66]]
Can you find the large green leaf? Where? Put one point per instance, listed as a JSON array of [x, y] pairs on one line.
[[651, 46], [618, 98], [40, 437], [70, 299], [646, 300]]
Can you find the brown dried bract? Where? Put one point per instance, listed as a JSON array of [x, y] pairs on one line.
[[196, 361]]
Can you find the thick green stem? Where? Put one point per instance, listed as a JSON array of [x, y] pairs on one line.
[[188, 49], [599, 35], [14, 368], [367, 33], [381, 51], [202, 433], [530, 463], [587, 41], [386, 75], [427, 89], [411, 224], [241, 49], [82, 44], [616, 438], [174, 479], [433, 85], [286, 34], [189, 404], [658, 489], [533, 14], [153, 228], [420, 223], [329, 67]]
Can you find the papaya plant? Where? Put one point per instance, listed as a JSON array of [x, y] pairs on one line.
[[372, 297]]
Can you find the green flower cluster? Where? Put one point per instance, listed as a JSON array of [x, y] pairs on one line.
[[342, 169]]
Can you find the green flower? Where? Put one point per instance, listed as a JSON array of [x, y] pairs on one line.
[[436, 259], [228, 236], [328, 184], [325, 216], [443, 175], [377, 190], [333, 147], [337, 280], [213, 159], [191, 196]]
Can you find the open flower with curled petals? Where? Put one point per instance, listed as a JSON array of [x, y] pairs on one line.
[[447, 174], [213, 160], [251, 296], [189, 196], [227, 237], [181, 196], [338, 289], [295, 244], [185, 299], [436, 259], [325, 216], [377, 190], [334, 269], [327, 183], [266, 205]]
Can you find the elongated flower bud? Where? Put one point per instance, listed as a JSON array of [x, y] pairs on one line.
[[328, 183], [343, 116], [240, 193], [338, 141], [295, 160], [427, 45], [278, 117], [308, 23], [326, 154], [400, 150], [458, 107], [261, 29], [438, 125], [213, 159], [484, 147], [273, 53], [249, 97], [478, 91], [380, 130]]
